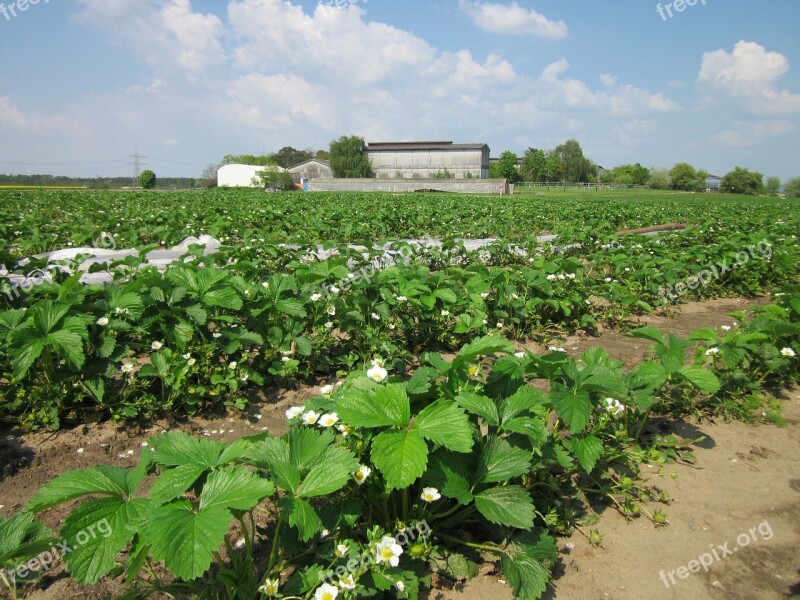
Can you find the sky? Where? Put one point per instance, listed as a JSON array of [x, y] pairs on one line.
[[84, 83]]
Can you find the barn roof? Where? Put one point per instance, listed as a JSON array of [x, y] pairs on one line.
[[406, 146]]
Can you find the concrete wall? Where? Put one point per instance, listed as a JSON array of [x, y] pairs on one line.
[[425, 164], [460, 186], [240, 175]]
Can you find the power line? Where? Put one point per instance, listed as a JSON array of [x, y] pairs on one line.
[[56, 164], [137, 165]]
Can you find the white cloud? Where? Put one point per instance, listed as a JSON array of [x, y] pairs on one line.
[[15, 119], [512, 19], [752, 133], [635, 132], [750, 75], [168, 34]]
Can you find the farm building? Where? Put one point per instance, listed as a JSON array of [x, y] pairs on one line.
[[713, 183], [241, 175], [422, 160], [311, 169]]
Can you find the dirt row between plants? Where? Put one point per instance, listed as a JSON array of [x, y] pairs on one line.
[[737, 510]]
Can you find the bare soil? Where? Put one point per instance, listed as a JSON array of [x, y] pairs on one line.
[[741, 500]]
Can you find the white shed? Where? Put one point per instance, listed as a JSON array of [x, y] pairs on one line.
[[241, 175]]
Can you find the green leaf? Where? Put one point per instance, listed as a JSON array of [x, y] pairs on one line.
[[22, 537], [526, 576], [451, 475], [401, 456], [702, 378], [24, 355], [523, 399], [306, 445], [178, 448], [574, 408], [479, 405], [102, 480], [173, 483], [291, 307], [484, 346], [388, 406], [445, 423], [533, 427], [510, 506], [649, 333], [268, 452], [96, 532], [236, 488], [331, 473], [223, 297], [185, 539], [302, 516], [69, 346], [500, 461], [286, 475], [650, 374], [588, 450]]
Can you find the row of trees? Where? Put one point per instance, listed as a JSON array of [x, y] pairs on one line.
[[565, 163]]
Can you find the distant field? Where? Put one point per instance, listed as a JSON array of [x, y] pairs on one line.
[[38, 220]]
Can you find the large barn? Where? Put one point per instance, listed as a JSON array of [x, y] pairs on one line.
[[311, 169], [423, 160]]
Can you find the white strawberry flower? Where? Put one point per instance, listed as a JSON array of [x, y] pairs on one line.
[[102, 321], [430, 494], [156, 345], [326, 592], [788, 352], [294, 412], [361, 475], [614, 407], [328, 420], [326, 390], [387, 550], [377, 374], [347, 583]]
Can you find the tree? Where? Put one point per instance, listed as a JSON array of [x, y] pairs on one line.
[[792, 188], [742, 181], [774, 186], [576, 167], [659, 179], [534, 165], [274, 178], [247, 159], [348, 159], [288, 157], [505, 167], [627, 175], [322, 155], [147, 179], [553, 167], [684, 176]]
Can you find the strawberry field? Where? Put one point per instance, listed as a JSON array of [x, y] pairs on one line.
[[434, 439]]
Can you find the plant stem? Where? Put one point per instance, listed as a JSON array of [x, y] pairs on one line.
[[487, 547], [273, 553]]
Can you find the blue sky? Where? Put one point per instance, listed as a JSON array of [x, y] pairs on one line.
[[84, 81]]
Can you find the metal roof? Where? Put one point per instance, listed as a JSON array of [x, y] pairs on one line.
[[398, 146]]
